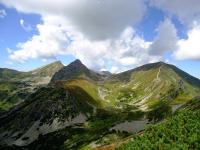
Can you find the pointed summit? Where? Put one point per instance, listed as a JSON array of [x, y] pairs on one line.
[[74, 70], [77, 64], [77, 61]]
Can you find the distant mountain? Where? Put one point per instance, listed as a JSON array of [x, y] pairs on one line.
[[106, 73], [74, 70], [6, 74], [15, 86], [48, 70], [43, 75], [82, 108]]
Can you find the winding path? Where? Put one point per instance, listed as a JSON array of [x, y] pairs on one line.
[[158, 73]]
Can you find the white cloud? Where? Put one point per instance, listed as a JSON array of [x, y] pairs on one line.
[[91, 30], [99, 33], [50, 42], [186, 10], [58, 37], [114, 69], [24, 25], [96, 19], [125, 52], [166, 39], [2, 13], [189, 48]]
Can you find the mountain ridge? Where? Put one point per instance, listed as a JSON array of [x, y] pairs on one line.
[[15, 85], [80, 101]]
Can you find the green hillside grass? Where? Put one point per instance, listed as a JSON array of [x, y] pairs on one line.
[[15, 86], [88, 86], [142, 85]]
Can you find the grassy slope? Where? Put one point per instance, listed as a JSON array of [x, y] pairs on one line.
[[144, 88], [180, 131], [16, 86], [88, 86], [139, 88], [7, 74]]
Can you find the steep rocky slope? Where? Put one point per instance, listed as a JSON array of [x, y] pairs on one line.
[[47, 110]]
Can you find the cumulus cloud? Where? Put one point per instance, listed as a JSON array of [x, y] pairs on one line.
[[166, 39], [97, 19], [50, 42], [90, 30], [102, 31], [186, 10], [124, 53], [189, 48], [24, 25], [2, 13], [57, 37]]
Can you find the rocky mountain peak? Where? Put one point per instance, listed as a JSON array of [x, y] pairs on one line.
[[76, 64]]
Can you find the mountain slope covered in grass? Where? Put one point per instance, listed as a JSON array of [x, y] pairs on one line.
[[15, 86], [82, 109], [145, 87]]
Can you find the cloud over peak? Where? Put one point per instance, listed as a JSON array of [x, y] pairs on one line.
[[96, 19]]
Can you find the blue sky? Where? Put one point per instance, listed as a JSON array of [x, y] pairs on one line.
[[144, 32], [12, 33]]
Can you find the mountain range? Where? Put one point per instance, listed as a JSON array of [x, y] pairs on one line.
[[74, 107]]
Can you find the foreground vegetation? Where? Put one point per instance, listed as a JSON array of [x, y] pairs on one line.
[[180, 131]]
